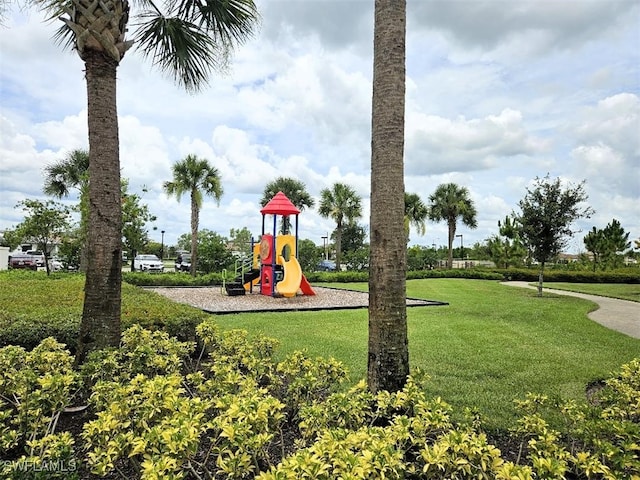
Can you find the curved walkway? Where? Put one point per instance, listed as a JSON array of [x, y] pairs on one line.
[[620, 315]]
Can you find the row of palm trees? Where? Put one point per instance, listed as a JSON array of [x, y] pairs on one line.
[[197, 178], [340, 203]]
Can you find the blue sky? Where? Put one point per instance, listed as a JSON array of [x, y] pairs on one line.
[[498, 92]]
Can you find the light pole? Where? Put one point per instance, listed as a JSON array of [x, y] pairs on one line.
[[162, 245], [324, 245], [461, 248]]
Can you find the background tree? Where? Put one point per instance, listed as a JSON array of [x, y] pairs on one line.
[[11, 238], [196, 177], [295, 191], [135, 217], [415, 213], [633, 252], [213, 251], [546, 214], [353, 248], [240, 239], [154, 247], [353, 238], [420, 257], [187, 40], [448, 203], [607, 245], [388, 359], [358, 260], [617, 241], [44, 224], [506, 248], [72, 172], [343, 205], [308, 255], [595, 244], [70, 249]]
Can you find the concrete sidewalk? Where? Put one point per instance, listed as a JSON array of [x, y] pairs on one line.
[[620, 315]]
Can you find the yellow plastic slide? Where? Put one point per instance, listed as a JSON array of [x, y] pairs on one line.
[[290, 284]]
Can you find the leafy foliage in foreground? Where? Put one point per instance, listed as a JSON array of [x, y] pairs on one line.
[[159, 411]]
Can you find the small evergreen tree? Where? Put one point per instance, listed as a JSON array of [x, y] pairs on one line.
[[607, 245], [546, 214]]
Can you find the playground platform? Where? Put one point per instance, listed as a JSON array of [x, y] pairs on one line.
[[215, 300]]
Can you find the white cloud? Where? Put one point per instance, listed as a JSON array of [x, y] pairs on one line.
[[438, 145], [497, 94], [608, 143]]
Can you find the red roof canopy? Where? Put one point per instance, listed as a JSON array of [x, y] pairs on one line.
[[280, 205]]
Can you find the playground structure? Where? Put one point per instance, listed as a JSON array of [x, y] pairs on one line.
[[274, 264]]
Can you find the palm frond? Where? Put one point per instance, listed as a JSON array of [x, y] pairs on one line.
[[180, 49], [228, 21]]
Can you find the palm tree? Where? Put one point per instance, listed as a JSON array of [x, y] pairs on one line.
[[450, 202], [187, 40], [342, 204], [71, 172], [60, 177], [295, 191], [388, 360], [196, 177], [415, 213]]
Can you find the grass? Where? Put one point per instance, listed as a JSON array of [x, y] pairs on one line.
[[624, 291], [490, 345], [32, 303]]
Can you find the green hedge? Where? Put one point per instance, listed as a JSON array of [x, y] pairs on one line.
[[185, 280], [524, 274], [34, 307], [171, 279], [569, 276]]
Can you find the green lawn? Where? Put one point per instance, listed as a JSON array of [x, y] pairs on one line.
[[625, 291], [490, 345]]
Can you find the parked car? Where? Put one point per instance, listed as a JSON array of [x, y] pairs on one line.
[[148, 263], [39, 256], [326, 266], [183, 262], [22, 260], [55, 265]]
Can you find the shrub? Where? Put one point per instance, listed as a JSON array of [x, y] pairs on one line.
[[155, 312], [35, 307], [531, 275], [28, 331], [352, 276], [170, 279], [237, 413], [35, 388], [471, 273]]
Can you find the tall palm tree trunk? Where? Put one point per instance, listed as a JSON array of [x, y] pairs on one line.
[[195, 221], [100, 325], [388, 361], [452, 236], [338, 247]]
